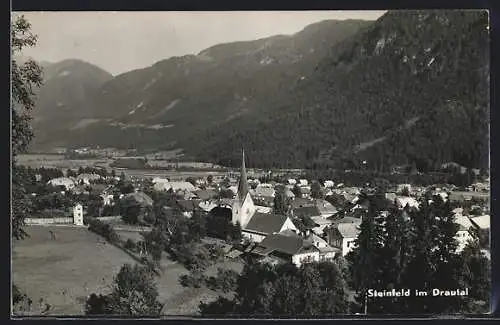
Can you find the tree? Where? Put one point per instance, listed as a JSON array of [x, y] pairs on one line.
[[296, 191], [25, 78], [134, 293], [191, 180], [132, 211], [210, 179], [316, 192], [365, 258], [282, 204]]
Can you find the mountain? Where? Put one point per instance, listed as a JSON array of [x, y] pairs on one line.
[[66, 85], [412, 87], [182, 97]]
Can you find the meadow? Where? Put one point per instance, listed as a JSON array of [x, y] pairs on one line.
[[78, 262]]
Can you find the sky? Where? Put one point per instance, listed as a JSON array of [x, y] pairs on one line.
[[122, 41]]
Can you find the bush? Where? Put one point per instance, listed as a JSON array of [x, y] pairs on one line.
[[192, 280], [130, 245], [225, 281], [103, 230]]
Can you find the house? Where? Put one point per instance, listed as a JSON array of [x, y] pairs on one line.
[[187, 207], [303, 182], [207, 206], [300, 202], [391, 196], [481, 222], [325, 208], [107, 199], [264, 190], [326, 252], [463, 236], [305, 191], [343, 237], [307, 211], [288, 247], [174, 186], [206, 194], [262, 225], [141, 198], [68, 183], [461, 196], [404, 201], [329, 184], [87, 178], [322, 223], [403, 187]]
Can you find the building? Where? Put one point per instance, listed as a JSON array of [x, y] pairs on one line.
[[288, 247], [78, 214], [262, 225], [255, 225], [68, 183], [404, 201], [87, 178], [326, 252], [343, 237]]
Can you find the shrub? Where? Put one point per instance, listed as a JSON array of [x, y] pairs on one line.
[[103, 230], [193, 279], [130, 245]]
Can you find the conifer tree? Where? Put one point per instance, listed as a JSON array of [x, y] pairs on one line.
[[365, 260]]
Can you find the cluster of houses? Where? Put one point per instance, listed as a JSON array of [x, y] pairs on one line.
[[274, 238]]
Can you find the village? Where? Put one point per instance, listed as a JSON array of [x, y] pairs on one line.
[[321, 220]]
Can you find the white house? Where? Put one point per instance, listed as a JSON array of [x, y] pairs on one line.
[[343, 237], [87, 178], [403, 201], [68, 183], [303, 182], [288, 247], [402, 187], [329, 184], [78, 214]]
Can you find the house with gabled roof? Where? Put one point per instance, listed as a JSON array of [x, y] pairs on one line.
[[343, 236], [288, 247]]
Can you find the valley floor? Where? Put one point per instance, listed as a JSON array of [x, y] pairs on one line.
[[78, 262]]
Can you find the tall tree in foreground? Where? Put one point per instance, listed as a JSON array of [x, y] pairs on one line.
[[25, 77], [365, 259]]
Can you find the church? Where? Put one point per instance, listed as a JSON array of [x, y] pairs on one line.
[[255, 225]]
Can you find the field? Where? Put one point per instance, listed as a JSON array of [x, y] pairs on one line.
[[58, 161], [66, 270]]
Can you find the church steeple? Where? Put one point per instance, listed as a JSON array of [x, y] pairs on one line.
[[243, 184]]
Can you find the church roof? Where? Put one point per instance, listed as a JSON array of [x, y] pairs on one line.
[[266, 223], [243, 184]]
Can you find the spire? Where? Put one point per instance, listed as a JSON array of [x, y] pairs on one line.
[[243, 185]]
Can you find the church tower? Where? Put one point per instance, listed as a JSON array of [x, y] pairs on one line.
[[243, 207]]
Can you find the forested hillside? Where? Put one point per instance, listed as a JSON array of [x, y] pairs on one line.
[[413, 87], [179, 98]]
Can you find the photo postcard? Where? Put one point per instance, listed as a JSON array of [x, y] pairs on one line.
[[250, 164]]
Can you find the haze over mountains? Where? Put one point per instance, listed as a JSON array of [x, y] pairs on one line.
[[410, 87]]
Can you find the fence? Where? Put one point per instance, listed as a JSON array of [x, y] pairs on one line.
[[48, 221], [109, 218]]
